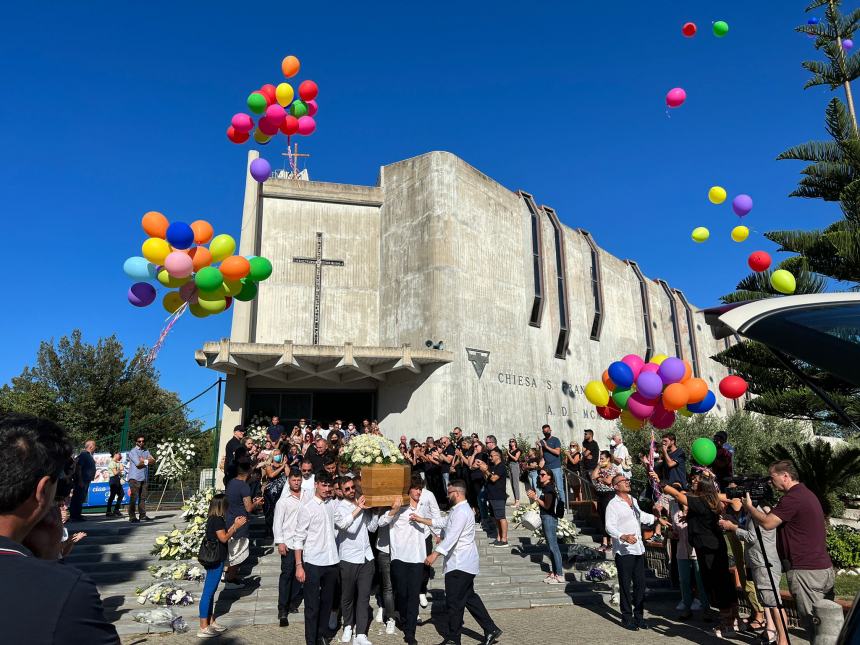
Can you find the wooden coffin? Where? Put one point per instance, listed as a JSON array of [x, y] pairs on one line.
[[381, 482]]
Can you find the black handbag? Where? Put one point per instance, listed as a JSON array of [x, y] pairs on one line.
[[209, 555]]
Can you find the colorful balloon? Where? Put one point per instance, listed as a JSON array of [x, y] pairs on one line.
[[659, 358], [740, 233], [689, 29], [168, 280], [155, 250], [275, 113], [847, 44], [663, 421], [630, 422], [154, 224], [208, 279], [242, 122], [235, 267], [621, 374], [232, 287], [688, 372], [260, 171], [197, 311], [742, 204], [188, 293], [139, 269], [671, 371], [180, 235], [649, 385], [650, 367], [284, 94], [141, 294], [290, 66], [704, 405], [307, 125], [200, 257], [676, 97], [783, 281], [261, 138], [609, 412], [248, 292], [607, 382], [215, 306], [268, 90], [759, 261], [203, 231], [634, 362], [733, 387], [179, 264], [697, 390], [222, 246], [257, 103], [700, 234], [269, 127], [717, 194], [237, 137], [639, 406], [298, 109], [261, 269], [290, 125], [704, 451], [675, 396], [620, 397], [721, 28], [596, 393], [172, 301], [313, 107], [308, 90]]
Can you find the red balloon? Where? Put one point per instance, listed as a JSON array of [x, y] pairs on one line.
[[268, 127], [610, 411], [290, 125], [268, 90], [308, 91], [235, 136], [759, 261], [689, 29], [733, 387]]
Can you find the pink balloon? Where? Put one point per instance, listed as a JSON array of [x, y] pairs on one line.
[[268, 127], [275, 113], [241, 122], [639, 406], [676, 97], [188, 292], [664, 421], [312, 107], [307, 125], [650, 367], [179, 264], [635, 363]]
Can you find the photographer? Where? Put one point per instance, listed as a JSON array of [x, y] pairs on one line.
[[801, 539]]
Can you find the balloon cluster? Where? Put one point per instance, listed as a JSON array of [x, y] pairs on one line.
[[677, 95], [280, 111], [176, 256]]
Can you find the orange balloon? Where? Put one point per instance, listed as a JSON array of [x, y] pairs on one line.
[[697, 390], [203, 231], [200, 257], [688, 372], [675, 396], [290, 66], [155, 224], [235, 267], [607, 382]]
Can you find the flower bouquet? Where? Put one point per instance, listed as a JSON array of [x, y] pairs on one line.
[[566, 532], [601, 572], [174, 457], [163, 593], [198, 504], [181, 544], [162, 617], [178, 571], [369, 449]]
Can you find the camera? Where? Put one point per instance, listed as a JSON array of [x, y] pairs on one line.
[[758, 488]]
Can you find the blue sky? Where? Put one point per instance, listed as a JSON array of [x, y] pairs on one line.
[[114, 109]]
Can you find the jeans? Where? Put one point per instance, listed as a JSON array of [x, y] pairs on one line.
[[408, 576], [482, 502], [289, 589], [210, 586], [686, 570], [446, 477], [558, 474], [631, 583], [460, 595], [550, 529], [533, 479], [137, 497], [383, 561]]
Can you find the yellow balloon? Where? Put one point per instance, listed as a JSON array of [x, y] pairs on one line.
[[259, 137], [221, 246], [740, 233], [659, 358], [596, 393], [231, 287], [284, 94], [700, 234], [717, 194], [630, 422], [212, 306], [197, 311], [172, 301], [169, 281], [155, 250], [217, 294], [783, 281]]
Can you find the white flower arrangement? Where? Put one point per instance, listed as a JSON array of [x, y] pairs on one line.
[[368, 449], [181, 544], [259, 434], [174, 457], [198, 504], [178, 571], [162, 617], [163, 593], [566, 532]]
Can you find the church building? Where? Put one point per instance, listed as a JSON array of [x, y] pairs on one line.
[[438, 298]]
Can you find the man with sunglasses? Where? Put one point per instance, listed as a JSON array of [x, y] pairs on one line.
[[138, 461], [42, 601]]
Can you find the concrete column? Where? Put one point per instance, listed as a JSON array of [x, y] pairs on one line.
[[828, 621], [233, 411]]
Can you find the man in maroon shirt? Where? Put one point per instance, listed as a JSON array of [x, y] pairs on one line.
[[801, 540]]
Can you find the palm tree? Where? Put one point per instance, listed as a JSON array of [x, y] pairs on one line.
[[821, 468]]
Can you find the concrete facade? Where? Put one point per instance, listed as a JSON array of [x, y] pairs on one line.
[[439, 251]]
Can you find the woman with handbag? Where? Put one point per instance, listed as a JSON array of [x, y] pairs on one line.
[[212, 556], [514, 456], [549, 521], [276, 480]]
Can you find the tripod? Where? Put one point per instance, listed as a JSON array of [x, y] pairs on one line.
[[773, 585]]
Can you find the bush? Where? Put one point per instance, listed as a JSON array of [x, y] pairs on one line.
[[843, 545]]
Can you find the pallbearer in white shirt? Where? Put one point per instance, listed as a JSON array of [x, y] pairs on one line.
[[353, 521], [317, 560], [284, 528], [624, 523], [461, 566]]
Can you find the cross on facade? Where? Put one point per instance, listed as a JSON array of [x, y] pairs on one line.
[[318, 263]]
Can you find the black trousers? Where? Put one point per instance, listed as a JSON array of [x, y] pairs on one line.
[[460, 595], [386, 588], [116, 493], [407, 577], [355, 583], [289, 589], [631, 580], [79, 496], [319, 596], [428, 571]]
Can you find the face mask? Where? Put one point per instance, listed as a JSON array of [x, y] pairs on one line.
[[612, 442], [278, 459]]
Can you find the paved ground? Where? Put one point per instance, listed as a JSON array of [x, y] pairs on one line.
[[547, 626]]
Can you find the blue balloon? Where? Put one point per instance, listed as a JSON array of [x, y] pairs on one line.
[[621, 374], [180, 236], [139, 269], [812, 21], [704, 405]]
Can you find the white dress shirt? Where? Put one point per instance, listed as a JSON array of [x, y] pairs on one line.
[[406, 538], [620, 452], [458, 545], [286, 513], [315, 533], [428, 507], [353, 542], [624, 519], [308, 488]]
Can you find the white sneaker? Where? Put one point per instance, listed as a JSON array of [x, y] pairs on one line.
[[347, 634], [680, 606], [422, 599], [217, 627], [332, 621], [361, 639], [207, 633], [696, 606], [389, 626], [379, 615]]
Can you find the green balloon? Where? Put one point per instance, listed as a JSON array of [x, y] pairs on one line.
[[620, 397], [257, 103], [721, 28], [298, 108], [208, 279], [248, 292], [261, 269], [704, 451]]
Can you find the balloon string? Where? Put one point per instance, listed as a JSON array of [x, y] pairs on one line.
[[169, 322]]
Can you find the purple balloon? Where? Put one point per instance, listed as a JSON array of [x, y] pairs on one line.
[[649, 385], [742, 204], [671, 370], [848, 44], [260, 169], [141, 294]]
